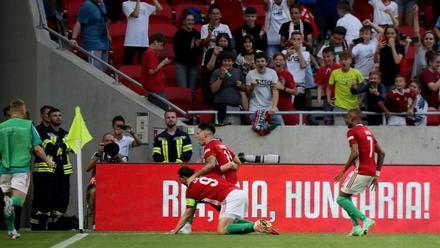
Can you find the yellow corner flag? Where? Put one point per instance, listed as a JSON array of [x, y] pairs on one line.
[[78, 130]]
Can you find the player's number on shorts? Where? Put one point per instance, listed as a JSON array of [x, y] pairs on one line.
[[208, 181], [370, 140]]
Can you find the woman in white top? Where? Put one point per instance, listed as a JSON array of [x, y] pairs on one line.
[[423, 44]]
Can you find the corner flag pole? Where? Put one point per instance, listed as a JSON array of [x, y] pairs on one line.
[[80, 187]]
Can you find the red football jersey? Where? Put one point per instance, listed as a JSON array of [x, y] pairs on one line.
[[223, 155], [399, 102], [211, 189], [364, 138]]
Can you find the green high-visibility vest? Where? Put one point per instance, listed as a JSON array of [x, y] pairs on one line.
[[15, 143]]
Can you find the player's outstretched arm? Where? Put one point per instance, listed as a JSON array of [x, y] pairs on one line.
[[354, 153], [183, 219], [209, 166]]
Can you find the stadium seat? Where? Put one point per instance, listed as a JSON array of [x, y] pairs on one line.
[[202, 2], [409, 31], [181, 7], [182, 97], [433, 120], [200, 105], [168, 30], [169, 73], [117, 32], [362, 10], [135, 72], [165, 16], [72, 10]]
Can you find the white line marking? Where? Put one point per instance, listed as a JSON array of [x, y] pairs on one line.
[[70, 241]]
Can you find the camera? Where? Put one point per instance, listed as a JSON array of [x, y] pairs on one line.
[[358, 40], [123, 127], [111, 149], [402, 36], [261, 159]]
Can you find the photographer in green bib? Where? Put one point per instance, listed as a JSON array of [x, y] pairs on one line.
[[18, 138]]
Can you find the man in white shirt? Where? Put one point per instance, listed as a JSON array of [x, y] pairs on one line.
[[260, 89], [350, 22], [136, 34], [277, 13], [125, 136], [385, 12], [297, 61]]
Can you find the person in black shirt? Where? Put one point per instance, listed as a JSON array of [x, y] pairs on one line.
[[389, 54], [296, 24], [187, 49], [172, 145], [249, 27]]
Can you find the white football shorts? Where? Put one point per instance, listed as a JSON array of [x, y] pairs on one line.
[[355, 183], [235, 205], [17, 181]]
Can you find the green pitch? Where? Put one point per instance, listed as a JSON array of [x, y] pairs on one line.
[[208, 240]]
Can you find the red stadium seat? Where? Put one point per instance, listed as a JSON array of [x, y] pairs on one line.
[[135, 72], [433, 120], [181, 7], [169, 73], [164, 16], [168, 30], [182, 97], [200, 105], [117, 32], [72, 9], [362, 10], [202, 2], [409, 31]]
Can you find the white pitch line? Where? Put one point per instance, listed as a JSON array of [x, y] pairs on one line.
[[70, 241]]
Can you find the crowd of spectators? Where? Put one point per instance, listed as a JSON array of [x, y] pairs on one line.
[[335, 46]]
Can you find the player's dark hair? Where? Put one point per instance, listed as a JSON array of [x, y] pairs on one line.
[[328, 49], [169, 111], [340, 30], [158, 37], [53, 110], [185, 171], [44, 108], [5, 112], [344, 6], [117, 118], [260, 55], [206, 126], [250, 11], [356, 112]]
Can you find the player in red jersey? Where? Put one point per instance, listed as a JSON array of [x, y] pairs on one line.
[[363, 145], [220, 161], [219, 158], [216, 190]]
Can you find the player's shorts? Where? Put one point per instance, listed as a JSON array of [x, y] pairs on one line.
[[355, 183], [235, 205], [17, 181]]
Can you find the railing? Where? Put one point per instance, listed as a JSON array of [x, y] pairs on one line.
[[63, 41], [301, 114]]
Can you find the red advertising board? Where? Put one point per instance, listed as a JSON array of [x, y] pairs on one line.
[[297, 198]]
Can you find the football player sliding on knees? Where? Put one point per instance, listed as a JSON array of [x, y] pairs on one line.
[[219, 160], [364, 147], [216, 190]]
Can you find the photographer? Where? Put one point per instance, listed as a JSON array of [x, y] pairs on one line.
[[108, 151], [125, 136]]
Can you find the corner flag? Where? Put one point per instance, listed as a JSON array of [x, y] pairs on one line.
[[78, 136], [78, 131]]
